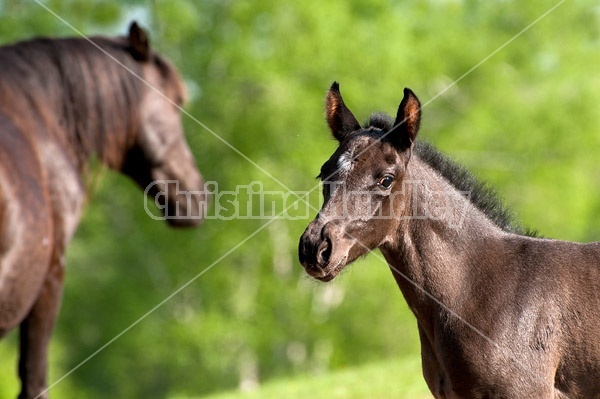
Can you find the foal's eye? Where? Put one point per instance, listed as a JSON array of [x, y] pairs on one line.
[[385, 182]]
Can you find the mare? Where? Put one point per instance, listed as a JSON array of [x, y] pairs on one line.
[[500, 313], [63, 102]]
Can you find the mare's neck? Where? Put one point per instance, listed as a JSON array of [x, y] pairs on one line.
[[441, 245], [78, 100], [102, 109]]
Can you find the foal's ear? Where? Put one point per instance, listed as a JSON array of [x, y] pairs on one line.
[[138, 42], [408, 119], [339, 118]]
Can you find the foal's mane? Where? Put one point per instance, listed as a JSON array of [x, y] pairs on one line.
[[481, 194]]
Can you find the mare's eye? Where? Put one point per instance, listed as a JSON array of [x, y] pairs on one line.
[[386, 182]]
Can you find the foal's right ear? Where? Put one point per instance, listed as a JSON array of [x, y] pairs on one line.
[[339, 118], [408, 120]]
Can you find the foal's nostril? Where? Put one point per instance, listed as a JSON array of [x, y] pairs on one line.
[[324, 252]]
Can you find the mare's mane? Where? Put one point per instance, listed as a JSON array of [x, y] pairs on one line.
[[71, 90], [482, 195]]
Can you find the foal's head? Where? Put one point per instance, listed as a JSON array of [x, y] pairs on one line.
[[160, 160], [362, 186]]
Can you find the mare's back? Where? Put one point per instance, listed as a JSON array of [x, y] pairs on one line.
[[31, 73]]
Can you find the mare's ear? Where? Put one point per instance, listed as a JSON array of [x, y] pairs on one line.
[[339, 118], [138, 42], [408, 119]]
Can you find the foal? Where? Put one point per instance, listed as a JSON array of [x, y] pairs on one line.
[[500, 314]]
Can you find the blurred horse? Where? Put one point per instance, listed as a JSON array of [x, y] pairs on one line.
[[62, 102], [501, 313]]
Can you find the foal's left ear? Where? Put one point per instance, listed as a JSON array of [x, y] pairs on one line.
[[138, 42], [340, 119], [408, 119]]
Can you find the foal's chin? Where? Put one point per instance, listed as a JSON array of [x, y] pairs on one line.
[[329, 271], [322, 257], [340, 256]]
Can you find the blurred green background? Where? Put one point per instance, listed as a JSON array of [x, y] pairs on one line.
[[526, 120]]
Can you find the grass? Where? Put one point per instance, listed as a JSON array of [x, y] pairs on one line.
[[397, 379]]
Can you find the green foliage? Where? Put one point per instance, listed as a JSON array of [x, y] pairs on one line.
[[526, 120], [397, 379]]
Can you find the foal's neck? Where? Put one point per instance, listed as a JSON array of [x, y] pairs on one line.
[[441, 243]]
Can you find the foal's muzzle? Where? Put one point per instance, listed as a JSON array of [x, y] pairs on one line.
[[316, 251]]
